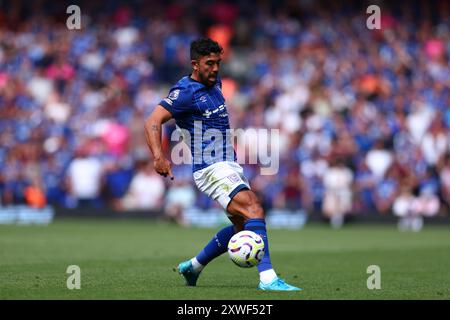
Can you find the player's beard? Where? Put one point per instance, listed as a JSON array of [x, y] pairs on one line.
[[206, 79]]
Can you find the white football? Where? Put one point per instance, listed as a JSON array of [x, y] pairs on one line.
[[246, 249]]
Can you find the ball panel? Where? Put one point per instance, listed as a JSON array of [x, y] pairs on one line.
[[246, 249]]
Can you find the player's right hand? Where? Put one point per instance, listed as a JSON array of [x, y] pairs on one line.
[[163, 167]]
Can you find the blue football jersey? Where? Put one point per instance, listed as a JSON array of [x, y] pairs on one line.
[[201, 111]]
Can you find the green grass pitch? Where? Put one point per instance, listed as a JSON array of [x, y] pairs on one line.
[[123, 259]]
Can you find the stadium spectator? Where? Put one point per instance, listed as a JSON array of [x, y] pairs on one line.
[[146, 189], [337, 202], [118, 175], [364, 186], [427, 203], [405, 207], [435, 142], [291, 194], [386, 190], [181, 196], [53, 181], [379, 160], [85, 179]]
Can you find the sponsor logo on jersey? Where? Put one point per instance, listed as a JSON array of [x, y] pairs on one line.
[[207, 113], [220, 109], [234, 178]]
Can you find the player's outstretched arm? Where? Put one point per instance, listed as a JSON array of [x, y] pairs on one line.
[[153, 126]]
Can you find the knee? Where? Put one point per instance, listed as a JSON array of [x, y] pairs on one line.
[[255, 210], [247, 206]]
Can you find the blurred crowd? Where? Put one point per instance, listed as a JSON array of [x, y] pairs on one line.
[[364, 115]]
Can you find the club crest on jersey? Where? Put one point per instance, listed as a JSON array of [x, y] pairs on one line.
[[174, 94], [203, 99]]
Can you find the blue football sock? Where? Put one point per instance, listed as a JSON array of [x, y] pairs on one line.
[[217, 245], [258, 226]]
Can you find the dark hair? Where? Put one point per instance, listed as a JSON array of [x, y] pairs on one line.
[[203, 47]]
